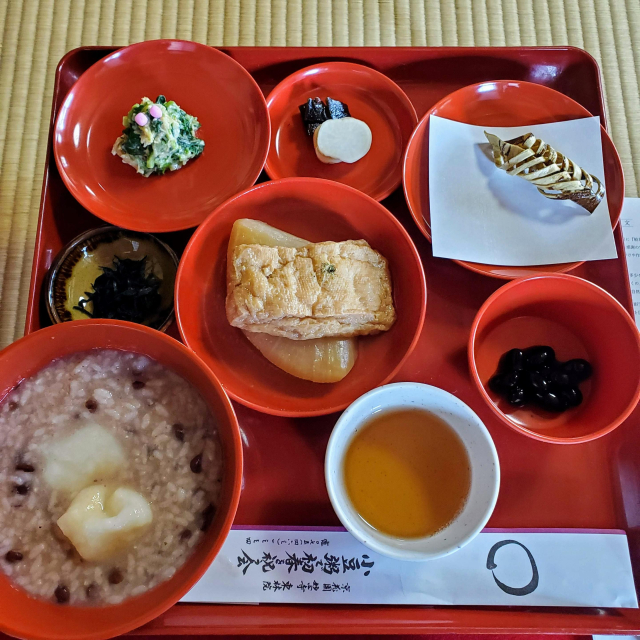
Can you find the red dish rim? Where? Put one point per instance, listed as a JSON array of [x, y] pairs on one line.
[[483, 392], [160, 607], [396, 88], [78, 195], [419, 220], [340, 407]]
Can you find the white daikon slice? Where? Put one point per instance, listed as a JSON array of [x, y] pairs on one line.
[[101, 522], [345, 140], [321, 156], [90, 454], [322, 360]]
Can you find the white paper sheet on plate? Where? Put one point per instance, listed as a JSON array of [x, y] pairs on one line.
[[481, 214]]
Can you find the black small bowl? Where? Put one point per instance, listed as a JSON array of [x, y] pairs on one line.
[[78, 265]]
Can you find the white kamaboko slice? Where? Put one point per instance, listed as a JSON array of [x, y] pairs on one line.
[[342, 140], [89, 454], [101, 522], [323, 360]]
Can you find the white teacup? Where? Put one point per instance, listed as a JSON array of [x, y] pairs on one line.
[[483, 457]]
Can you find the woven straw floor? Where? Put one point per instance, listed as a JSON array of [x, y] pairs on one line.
[[37, 33]]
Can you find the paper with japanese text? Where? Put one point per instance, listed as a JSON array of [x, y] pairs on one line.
[[630, 223], [481, 214], [572, 568]]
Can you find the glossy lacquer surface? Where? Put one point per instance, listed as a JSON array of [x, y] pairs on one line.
[[26, 617], [579, 320], [316, 210], [205, 83], [501, 104], [371, 96], [543, 485]]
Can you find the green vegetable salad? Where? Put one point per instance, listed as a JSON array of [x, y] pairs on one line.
[[158, 137]]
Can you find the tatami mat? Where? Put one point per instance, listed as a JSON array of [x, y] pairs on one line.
[[37, 33]]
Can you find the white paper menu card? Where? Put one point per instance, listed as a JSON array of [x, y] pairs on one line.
[[526, 567], [479, 213], [630, 223]]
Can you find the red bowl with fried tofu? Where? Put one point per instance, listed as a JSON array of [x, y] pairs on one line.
[[306, 210]]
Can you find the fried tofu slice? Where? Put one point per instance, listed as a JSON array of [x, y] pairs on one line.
[[319, 290]]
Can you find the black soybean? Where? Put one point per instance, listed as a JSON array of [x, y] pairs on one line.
[[560, 379], [544, 369], [512, 379], [517, 397], [513, 360], [578, 369], [553, 402], [313, 113], [496, 384], [534, 375], [539, 355], [572, 396], [538, 382]]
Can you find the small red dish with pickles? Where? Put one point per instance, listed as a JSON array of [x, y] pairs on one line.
[[590, 485]]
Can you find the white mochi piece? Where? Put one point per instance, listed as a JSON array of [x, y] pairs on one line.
[[343, 140], [90, 454], [101, 522]]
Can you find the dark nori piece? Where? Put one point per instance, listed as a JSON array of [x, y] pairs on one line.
[[315, 112], [337, 109], [125, 291]]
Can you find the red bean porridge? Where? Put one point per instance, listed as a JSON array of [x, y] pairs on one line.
[[173, 459]]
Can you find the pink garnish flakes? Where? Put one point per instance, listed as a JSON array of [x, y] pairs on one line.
[[155, 111], [141, 119]]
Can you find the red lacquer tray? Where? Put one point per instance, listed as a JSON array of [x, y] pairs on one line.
[[595, 485]]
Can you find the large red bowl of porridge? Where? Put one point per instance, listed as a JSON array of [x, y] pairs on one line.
[[108, 409]]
